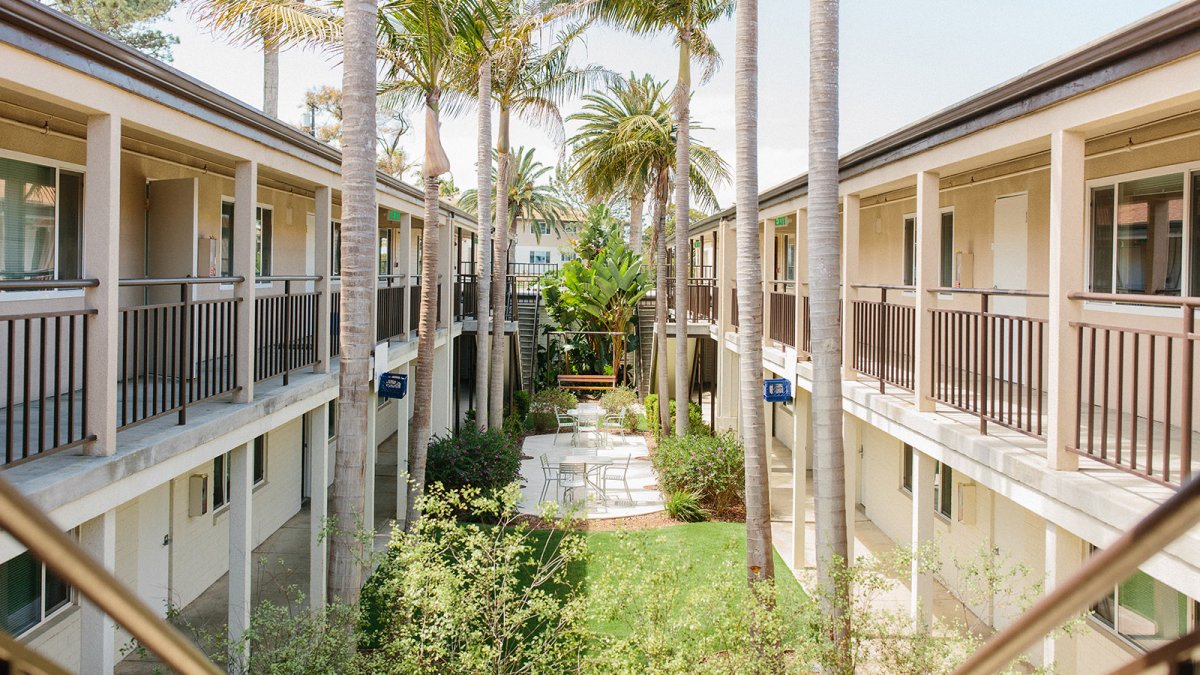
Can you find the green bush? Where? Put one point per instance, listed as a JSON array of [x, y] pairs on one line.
[[620, 401], [711, 466], [548, 402], [696, 424], [685, 507], [520, 406], [488, 460]]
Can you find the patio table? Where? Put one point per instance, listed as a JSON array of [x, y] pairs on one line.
[[590, 462]]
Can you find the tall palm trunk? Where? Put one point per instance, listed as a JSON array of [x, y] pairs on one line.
[[499, 275], [824, 264], [435, 165], [660, 301], [359, 226], [483, 279], [760, 559], [637, 203], [683, 93], [271, 79]]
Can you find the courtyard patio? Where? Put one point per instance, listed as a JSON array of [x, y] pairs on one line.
[[600, 459]]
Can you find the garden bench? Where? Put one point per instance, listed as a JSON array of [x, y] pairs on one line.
[[587, 382]]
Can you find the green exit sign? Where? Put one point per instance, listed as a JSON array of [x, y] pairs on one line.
[[781, 221], [394, 215]]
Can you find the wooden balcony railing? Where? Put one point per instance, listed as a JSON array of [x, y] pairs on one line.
[[173, 354], [285, 329], [335, 323], [884, 338], [991, 364], [1136, 388], [46, 392], [702, 299], [781, 307], [389, 307], [466, 289]]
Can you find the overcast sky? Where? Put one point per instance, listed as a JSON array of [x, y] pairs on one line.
[[901, 61]]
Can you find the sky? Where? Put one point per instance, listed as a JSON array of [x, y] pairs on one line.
[[901, 60]]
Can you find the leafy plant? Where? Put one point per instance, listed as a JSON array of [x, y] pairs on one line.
[[549, 402], [520, 405], [488, 460], [617, 401], [710, 466], [696, 424], [685, 506]]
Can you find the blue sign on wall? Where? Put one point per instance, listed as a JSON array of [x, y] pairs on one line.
[[393, 385], [777, 390]]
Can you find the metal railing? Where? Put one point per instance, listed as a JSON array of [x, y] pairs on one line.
[[1136, 398], [466, 288], [884, 344], [991, 365], [173, 354], [701, 298], [46, 393], [285, 329], [781, 309]]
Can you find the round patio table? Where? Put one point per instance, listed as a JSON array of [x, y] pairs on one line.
[[589, 462], [587, 416]]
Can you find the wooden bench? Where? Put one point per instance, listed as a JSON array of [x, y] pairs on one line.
[[587, 382]]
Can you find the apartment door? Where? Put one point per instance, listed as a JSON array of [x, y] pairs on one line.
[[305, 459], [1010, 265], [171, 233]]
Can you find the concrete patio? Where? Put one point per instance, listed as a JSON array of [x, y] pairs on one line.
[[645, 496]]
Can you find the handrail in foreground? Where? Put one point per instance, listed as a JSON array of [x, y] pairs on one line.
[[67, 559], [1021, 293], [1104, 570]]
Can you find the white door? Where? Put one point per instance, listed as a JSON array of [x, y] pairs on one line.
[[171, 232], [1010, 267]]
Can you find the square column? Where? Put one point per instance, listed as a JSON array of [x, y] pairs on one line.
[[850, 252], [851, 441], [245, 199], [921, 604], [446, 271], [928, 258], [1064, 556], [241, 542], [768, 276], [801, 433], [404, 253], [318, 504], [98, 537], [402, 416], [368, 515], [101, 258], [324, 225], [1068, 202]]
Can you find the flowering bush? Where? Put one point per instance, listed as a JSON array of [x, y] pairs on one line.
[[488, 460], [713, 467]]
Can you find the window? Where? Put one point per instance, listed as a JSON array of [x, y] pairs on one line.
[[335, 249], [785, 258], [541, 227], [226, 239], [40, 211], [29, 593], [947, 263], [943, 489], [907, 470], [385, 251], [536, 257], [1146, 612], [331, 417], [1137, 237], [910, 251], [263, 229], [223, 475], [567, 255]]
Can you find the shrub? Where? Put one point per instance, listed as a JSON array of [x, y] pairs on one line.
[[711, 466], [685, 507], [696, 424], [616, 401], [546, 403], [520, 406], [488, 460]]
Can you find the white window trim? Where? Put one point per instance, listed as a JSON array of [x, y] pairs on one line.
[[1114, 181], [271, 252], [58, 166]]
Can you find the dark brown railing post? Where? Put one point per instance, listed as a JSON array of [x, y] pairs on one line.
[[982, 358], [287, 330], [881, 333], [185, 359], [1185, 413]]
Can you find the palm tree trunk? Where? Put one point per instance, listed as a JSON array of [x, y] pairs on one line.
[[483, 278], [660, 302], [637, 203], [824, 264], [760, 560], [271, 80], [683, 93], [431, 234], [359, 227], [499, 276]]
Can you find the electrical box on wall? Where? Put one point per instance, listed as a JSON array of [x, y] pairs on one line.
[[197, 495], [964, 263], [965, 513]]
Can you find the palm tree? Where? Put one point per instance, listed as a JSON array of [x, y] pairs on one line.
[[627, 143], [824, 264], [760, 557], [423, 43], [483, 278], [530, 198]]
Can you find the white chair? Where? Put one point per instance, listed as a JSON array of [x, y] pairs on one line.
[[566, 423], [589, 425], [613, 424], [572, 478], [550, 475], [617, 472]]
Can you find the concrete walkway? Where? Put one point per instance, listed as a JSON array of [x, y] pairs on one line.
[[644, 496]]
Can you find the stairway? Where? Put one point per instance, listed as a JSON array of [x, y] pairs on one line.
[[645, 319], [529, 320]]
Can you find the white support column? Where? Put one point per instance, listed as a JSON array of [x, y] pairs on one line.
[[245, 196], [446, 272], [850, 252], [1068, 201], [1064, 556], [98, 537], [921, 603], [928, 259], [402, 406], [372, 454], [324, 225], [241, 542], [768, 275], [800, 436], [102, 231], [851, 441], [318, 504], [404, 251]]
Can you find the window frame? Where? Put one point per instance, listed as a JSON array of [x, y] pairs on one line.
[[907, 461], [58, 166], [534, 252], [225, 471], [261, 269], [45, 615], [335, 248], [946, 262], [909, 249], [943, 490], [1113, 629]]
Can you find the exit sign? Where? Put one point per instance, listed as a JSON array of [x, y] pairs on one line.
[[394, 215], [781, 221]]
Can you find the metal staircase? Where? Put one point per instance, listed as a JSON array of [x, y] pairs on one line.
[[529, 320], [645, 328]]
